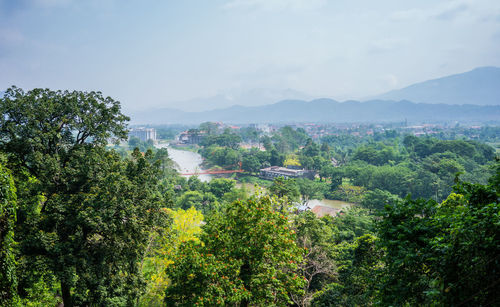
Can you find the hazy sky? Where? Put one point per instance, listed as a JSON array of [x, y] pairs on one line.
[[152, 53]]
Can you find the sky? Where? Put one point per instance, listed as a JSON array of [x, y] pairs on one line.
[[149, 54]]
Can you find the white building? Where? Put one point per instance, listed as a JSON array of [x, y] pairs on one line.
[[143, 134]]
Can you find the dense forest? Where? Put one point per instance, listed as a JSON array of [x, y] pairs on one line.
[[86, 223]]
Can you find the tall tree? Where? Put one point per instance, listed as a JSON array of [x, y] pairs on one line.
[[8, 206], [94, 210], [282, 187], [247, 257], [443, 254]]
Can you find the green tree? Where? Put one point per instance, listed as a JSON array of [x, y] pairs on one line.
[[377, 199], [190, 199], [358, 267], [163, 245], [235, 195], [221, 186], [195, 184], [282, 187], [310, 189], [354, 223], [443, 254], [317, 267], [8, 207], [276, 159], [247, 257], [134, 142], [266, 142], [209, 127], [311, 149], [250, 163], [92, 221]]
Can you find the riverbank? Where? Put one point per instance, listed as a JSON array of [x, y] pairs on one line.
[[192, 162], [187, 161]]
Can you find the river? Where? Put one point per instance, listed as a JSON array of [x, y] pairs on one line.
[[187, 161], [190, 162]]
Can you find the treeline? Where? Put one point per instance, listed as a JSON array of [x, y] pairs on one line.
[[422, 167], [349, 167]]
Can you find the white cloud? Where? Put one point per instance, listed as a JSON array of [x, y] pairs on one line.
[[275, 5]]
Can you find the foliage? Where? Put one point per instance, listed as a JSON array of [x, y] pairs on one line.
[[221, 156], [311, 189], [204, 202], [291, 160], [405, 233], [42, 293], [443, 254], [318, 269], [288, 188], [377, 154], [288, 139], [221, 186], [185, 226], [86, 216], [209, 127], [349, 193], [235, 195], [226, 139], [353, 223], [247, 256], [358, 267], [377, 199], [8, 207], [251, 163], [135, 142]]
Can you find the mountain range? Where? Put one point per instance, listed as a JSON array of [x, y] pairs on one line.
[[480, 86], [326, 110], [252, 97], [472, 96]]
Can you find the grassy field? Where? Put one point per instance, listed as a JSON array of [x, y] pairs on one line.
[[250, 179]]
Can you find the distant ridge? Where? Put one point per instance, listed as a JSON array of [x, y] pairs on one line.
[[253, 97], [325, 110], [480, 86]]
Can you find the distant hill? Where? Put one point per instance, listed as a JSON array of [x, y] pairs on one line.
[[480, 86], [325, 110], [252, 97]]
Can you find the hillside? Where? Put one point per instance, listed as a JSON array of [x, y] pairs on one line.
[[480, 86], [325, 110], [253, 97]]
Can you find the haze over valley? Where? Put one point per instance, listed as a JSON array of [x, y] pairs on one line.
[[472, 96]]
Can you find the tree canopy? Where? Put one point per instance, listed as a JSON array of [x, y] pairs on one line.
[[84, 213], [247, 256]]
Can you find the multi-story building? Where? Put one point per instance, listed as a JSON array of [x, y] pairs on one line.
[[192, 136], [143, 134]]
